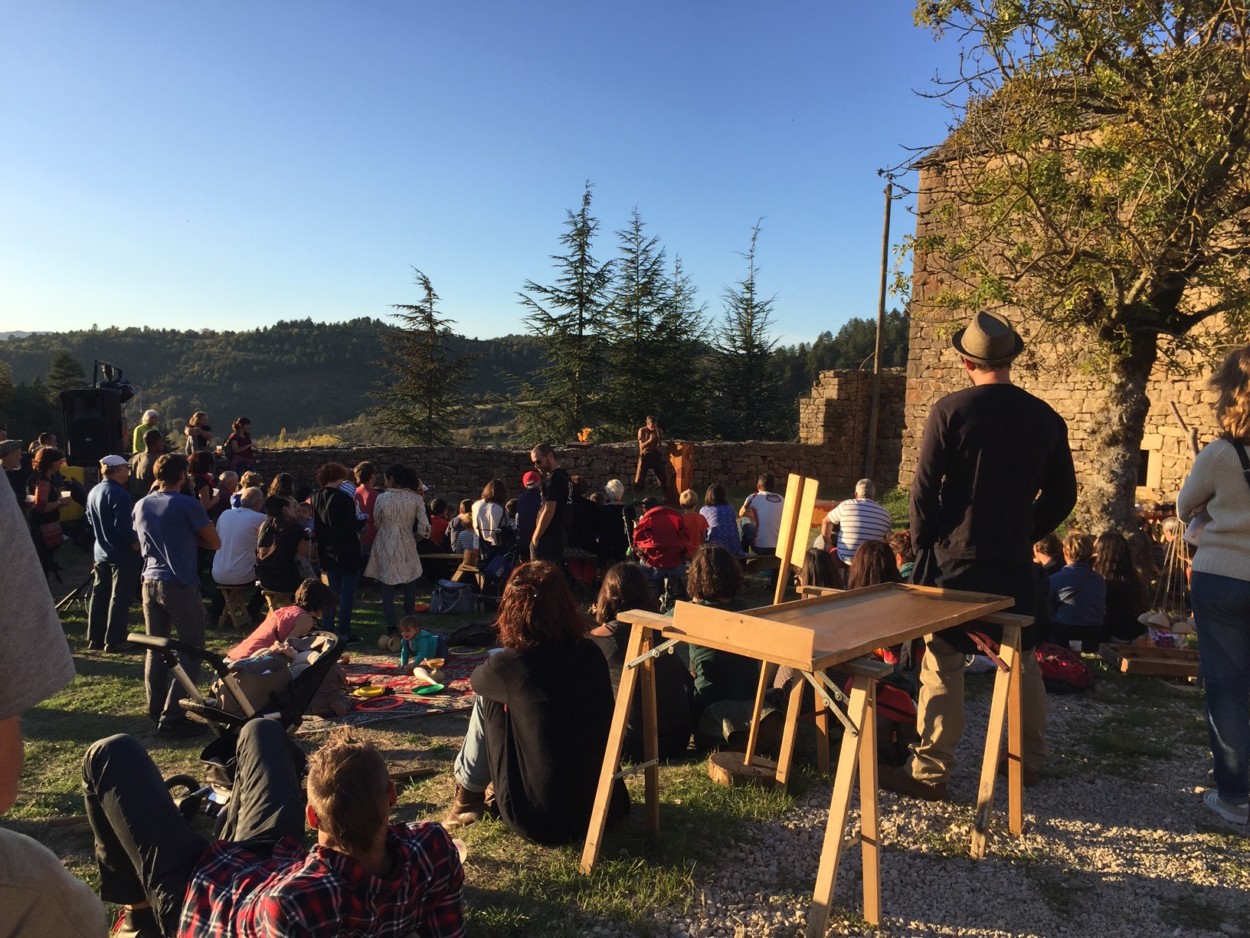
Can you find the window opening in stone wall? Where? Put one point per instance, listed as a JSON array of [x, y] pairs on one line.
[[1143, 466]]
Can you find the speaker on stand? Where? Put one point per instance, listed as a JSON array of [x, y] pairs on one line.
[[93, 424]]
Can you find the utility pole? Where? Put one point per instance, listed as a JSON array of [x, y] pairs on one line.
[[870, 457]]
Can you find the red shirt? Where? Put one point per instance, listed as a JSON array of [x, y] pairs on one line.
[[438, 530], [321, 892], [696, 530]]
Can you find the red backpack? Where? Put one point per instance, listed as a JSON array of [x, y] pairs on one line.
[[1062, 669], [660, 538]]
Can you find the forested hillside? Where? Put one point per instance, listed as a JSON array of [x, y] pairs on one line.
[[305, 377]]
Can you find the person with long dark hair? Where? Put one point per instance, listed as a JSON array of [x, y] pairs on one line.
[[539, 725], [722, 523], [399, 517], [1126, 594], [626, 587], [44, 495], [1220, 484]]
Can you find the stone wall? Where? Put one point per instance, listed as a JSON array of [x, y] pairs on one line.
[[836, 416], [460, 472], [934, 370]]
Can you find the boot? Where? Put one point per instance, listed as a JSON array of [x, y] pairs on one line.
[[467, 809]]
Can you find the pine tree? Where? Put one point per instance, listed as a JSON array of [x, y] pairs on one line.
[[65, 373], [568, 316], [746, 386], [654, 327], [423, 401]]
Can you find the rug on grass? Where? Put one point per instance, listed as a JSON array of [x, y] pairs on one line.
[[400, 699]]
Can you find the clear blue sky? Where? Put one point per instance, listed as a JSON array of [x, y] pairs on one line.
[[229, 164]]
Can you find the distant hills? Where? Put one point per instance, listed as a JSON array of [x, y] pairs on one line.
[[312, 378]]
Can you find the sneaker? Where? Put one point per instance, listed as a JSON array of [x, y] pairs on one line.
[[180, 729], [351, 638], [121, 648], [1234, 814], [897, 779]]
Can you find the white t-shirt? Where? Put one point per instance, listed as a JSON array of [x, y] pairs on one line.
[[767, 506], [234, 564], [488, 518]]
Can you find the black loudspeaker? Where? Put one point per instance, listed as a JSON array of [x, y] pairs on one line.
[[93, 424]]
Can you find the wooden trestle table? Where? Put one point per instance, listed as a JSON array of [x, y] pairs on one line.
[[812, 635]]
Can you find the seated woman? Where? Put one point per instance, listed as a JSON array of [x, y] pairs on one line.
[[714, 578], [540, 720], [626, 587], [279, 541], [722, 520], [1126, 595], [614, 524], [312, 598]]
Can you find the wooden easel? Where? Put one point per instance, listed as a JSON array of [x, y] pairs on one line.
[[812, 635]]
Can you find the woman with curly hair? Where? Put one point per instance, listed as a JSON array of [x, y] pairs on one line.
[[1220, 484], [540, 720]]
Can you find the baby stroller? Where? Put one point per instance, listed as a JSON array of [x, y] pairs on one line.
[[237, 699]]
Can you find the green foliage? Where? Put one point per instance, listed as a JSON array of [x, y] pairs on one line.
[[567, 317], [1098, 181], [65, 372], [746, 390], [422, 400], [656, 331]]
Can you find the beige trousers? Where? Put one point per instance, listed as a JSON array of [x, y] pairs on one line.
[[940, 711]]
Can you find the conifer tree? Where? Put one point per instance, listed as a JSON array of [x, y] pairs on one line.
[[65, 373], [422, 401], [568, 316], [654, 327], [744, 383]]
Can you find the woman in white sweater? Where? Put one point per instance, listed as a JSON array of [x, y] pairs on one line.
[[1220, 483], [399, 515]]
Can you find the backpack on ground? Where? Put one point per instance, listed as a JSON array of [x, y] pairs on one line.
[[451, 596], [1063, 672]]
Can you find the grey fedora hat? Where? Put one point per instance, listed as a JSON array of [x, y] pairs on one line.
[[988, 339]]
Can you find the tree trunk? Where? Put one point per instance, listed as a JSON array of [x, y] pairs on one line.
[[1107, 493]]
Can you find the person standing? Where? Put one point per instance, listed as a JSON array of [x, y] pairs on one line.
[[11, 459], [337, 531], [528, 504], [551, 530], [138, 436], [651, 455], [994, 474], [170, 526], [143, 464], [117, 560], [1220, 484]]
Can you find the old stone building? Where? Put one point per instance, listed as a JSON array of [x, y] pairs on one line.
[[934, 370]]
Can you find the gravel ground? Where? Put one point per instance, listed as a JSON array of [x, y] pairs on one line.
[[1102, 855]]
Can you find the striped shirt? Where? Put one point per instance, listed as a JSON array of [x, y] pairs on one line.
[[858, 520]]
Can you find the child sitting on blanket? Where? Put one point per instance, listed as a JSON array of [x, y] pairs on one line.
[[416, 644]]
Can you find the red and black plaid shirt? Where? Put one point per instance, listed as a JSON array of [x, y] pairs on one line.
[[296, 892]]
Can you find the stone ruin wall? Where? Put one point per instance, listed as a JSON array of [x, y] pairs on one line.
[[934, 370], [833, 434]]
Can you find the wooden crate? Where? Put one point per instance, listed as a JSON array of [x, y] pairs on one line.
[[1152, 662]]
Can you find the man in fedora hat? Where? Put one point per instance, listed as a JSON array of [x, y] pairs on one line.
[[994, 475]]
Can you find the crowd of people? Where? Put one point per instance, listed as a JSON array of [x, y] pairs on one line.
[[994, 483]]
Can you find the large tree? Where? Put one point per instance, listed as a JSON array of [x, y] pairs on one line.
[[568, 317], [656, 328], [746, 386], [1097, 181], [65, 373], [421, 400]]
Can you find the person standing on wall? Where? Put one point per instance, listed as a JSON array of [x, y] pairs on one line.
[[651, 456], [994, 475]]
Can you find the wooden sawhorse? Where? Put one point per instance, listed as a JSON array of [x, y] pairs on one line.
[[843, 627]]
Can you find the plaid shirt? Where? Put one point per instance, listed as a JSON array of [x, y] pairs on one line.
[[237, 892]]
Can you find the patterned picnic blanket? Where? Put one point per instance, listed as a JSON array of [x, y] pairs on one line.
[[399, 700]]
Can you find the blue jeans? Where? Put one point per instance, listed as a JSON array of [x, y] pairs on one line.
[[344, 586], [1222, 614], [388, 602], [471, 767]]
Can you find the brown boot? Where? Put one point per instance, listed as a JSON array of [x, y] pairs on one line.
[[897, 779], [467, 809]]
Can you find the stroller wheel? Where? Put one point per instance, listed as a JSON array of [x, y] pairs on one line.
[[188, 794]]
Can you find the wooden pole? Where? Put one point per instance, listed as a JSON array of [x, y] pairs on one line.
[[870, 457]]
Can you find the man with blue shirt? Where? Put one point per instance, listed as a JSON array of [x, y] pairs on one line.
[[117, 559], [170, 526]]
